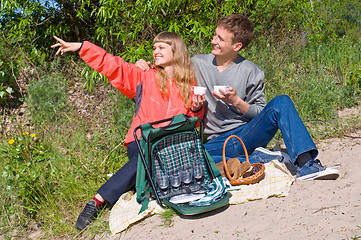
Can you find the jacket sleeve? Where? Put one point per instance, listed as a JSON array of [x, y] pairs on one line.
[[199, 114], [122, 75]]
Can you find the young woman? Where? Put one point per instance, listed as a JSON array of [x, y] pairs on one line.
[[161, 92]]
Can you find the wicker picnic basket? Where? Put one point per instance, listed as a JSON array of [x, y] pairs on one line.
[[256, 177]]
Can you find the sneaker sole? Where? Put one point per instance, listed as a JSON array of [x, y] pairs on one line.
[[327, 174]]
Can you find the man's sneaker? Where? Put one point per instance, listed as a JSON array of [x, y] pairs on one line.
[[313, 170], [263, 155], [89, 213]]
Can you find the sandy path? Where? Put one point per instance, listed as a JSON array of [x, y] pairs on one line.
[[312, 210]]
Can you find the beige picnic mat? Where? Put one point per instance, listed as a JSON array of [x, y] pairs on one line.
[[277, 183]]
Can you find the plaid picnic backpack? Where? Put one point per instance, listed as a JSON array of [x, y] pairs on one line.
[[175, 169]]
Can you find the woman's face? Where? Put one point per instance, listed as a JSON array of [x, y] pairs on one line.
[[162, 54]]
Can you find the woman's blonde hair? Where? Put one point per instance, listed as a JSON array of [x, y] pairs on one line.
[[183, 75]]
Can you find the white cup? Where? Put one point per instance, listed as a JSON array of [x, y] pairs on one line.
[[217, 88], [199, 90]]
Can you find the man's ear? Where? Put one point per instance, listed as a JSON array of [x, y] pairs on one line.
[[237, 46]]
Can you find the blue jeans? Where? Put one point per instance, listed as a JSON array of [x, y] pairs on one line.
[[279, 113]]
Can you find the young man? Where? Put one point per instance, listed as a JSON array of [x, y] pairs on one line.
[[241, 110]]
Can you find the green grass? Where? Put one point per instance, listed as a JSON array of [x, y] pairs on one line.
[[75, 153], [167, 217], [77, 157], [320, 78]]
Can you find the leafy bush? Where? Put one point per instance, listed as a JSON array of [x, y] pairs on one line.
[[128, 28], [4, 92], [7, 65], [343, 17], [46, 99]]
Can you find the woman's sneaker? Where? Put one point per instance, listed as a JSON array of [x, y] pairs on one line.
[[89, 213], [313, 170]]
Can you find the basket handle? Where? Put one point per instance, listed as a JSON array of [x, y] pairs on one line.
[[224, 156]]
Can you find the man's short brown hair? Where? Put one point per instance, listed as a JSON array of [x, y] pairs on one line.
[[240, 26]]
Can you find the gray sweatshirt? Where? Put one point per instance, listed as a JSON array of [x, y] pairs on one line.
[[245, 77]]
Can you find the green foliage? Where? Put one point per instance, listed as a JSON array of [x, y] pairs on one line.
[[27, 170], [355, 75], [4, 92], [46, 99], [125, 27], [92, 77], [128, 28], [167, 217], [7, 81], [47, 178], [343, 17], [84, 157], [320, 78]]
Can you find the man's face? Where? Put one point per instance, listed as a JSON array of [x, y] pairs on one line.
[[222, 42]]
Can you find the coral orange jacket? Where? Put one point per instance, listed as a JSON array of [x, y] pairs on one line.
[[138, 85]]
